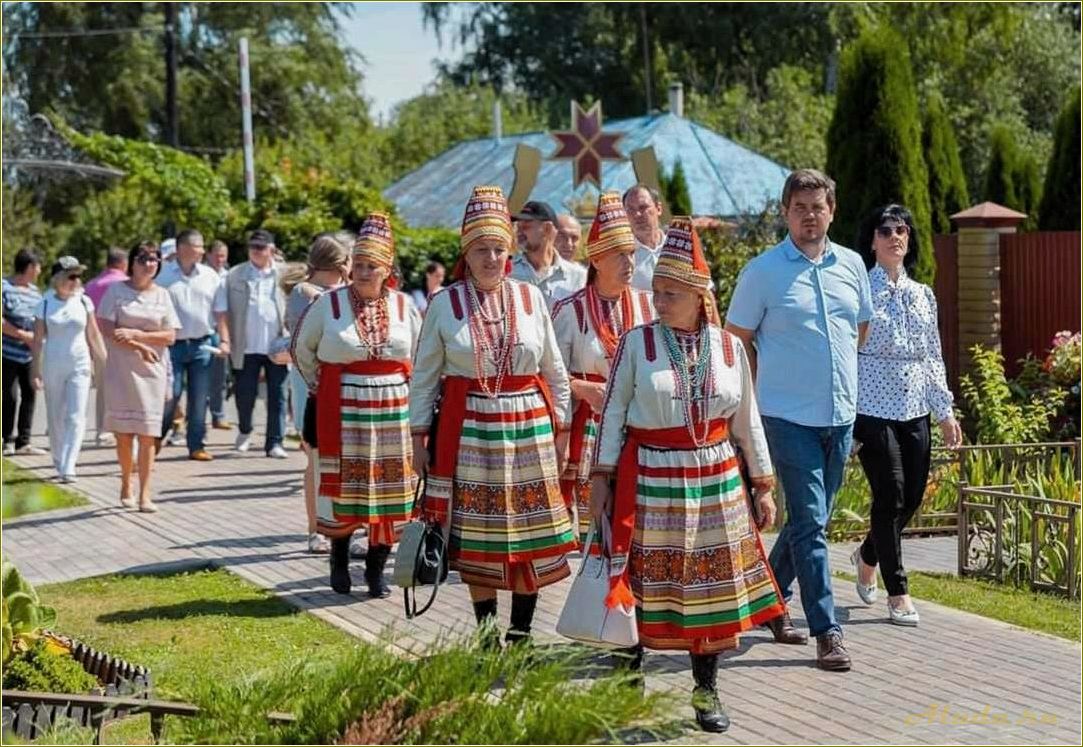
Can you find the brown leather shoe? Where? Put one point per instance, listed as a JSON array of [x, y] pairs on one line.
[[831, 654], [222, 425], [784, 631], [200, 455]]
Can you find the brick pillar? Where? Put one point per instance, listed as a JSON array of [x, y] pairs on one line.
[[980, 229]]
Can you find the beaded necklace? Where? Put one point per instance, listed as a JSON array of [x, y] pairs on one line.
[[373, 322], [695, 384], [609, 326], [497, 351]]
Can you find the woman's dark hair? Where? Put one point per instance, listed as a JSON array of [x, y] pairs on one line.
[[24, 258], [149, 247], [891, 214], [433, 266]]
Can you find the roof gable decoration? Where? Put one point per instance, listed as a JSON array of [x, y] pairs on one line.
[[586, 145]]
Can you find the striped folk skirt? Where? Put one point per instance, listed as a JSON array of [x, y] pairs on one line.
[[509, 527], [581, 475], [374, 469], [696, 565]]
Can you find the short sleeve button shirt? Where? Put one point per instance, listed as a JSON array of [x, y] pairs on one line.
[[805, 315]]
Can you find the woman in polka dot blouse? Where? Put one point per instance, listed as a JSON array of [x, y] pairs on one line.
[[901, 380]]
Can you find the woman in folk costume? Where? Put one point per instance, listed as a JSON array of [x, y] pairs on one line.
[[685, 550], [502, 422], [588, 325], [353, 346]]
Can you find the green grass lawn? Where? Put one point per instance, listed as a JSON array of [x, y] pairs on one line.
[[188, 629], [1028, 609], [23, 493]]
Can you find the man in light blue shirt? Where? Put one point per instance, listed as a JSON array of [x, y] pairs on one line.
[[805, 305], [538, 261]]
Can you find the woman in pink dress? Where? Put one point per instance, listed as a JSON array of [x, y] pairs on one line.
[[139, 323]]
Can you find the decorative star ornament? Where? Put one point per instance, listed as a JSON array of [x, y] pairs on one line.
[[586, 146]]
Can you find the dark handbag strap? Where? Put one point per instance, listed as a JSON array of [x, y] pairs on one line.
[[410, 605]]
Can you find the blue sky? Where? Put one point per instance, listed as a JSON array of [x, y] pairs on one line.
[[399, 53]]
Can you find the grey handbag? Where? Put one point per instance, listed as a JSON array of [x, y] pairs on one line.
[[421, 560]]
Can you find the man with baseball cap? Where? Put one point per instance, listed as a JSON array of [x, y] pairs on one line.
[[538, 262], [255, 311]]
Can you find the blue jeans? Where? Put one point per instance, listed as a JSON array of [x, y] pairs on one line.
[[245, 387], [216, 395], [191, 366], [809, 462]]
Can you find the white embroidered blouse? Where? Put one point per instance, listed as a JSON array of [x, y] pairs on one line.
[[900, 371], [580, 347], [642, 393], [324, 337], [445, 348]]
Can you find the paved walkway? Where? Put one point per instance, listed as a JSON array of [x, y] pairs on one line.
[[959, 678]]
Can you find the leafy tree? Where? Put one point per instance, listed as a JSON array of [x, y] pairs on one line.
[[114, 81], [874, 141], [24, 226], [947, 182], [787, 124], [1059, 210], [1012, 176], [429, 124], [675, 191]]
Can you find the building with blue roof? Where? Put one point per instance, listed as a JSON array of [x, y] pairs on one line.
[[725, 180]]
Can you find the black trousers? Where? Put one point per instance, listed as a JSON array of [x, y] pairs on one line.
[[895, 455], [18, 374]]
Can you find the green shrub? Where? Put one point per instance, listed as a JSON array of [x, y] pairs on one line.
[[43, 669], [874, 141], [1012, 177], [23, 615], [1059, 210], [454, 694], [1003, 412], [947, 180], [416, 247]]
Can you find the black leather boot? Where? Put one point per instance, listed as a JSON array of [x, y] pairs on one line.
[[340, 565], [375, 560], [630, 660], [522, 617], [709, 713], [485, 613]]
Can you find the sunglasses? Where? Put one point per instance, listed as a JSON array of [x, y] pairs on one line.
[[146, 259], [886, 232]]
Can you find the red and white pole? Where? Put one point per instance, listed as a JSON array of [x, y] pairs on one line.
[[246, 124]]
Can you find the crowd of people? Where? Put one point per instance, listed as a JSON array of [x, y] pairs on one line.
[[534, 399]]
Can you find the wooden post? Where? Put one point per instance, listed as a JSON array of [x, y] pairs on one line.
[[980, 228]]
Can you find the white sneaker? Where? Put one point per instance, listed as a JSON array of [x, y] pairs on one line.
[[9, 449], [67, 479], [277, 452], [358, 548], [29, 450], [243, 442], [105, 439]]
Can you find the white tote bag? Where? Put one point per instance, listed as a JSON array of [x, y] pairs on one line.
[[585, 618]]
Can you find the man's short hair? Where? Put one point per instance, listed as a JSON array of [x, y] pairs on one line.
[[116, 257], [654, 194], [186, 236], [804, 180], [219, 244], [24, 258]]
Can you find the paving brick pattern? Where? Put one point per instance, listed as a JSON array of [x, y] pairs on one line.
[[958, 678]]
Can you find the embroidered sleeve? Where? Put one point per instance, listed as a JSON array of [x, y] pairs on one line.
[[552, 366], [306, 341], [565, 328], [745, 422], [618, 396], [428, 364], [939, 395]]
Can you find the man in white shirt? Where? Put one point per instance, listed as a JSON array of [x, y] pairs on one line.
[[644, 207], [538, 262], [255, 310], [193, 287]]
